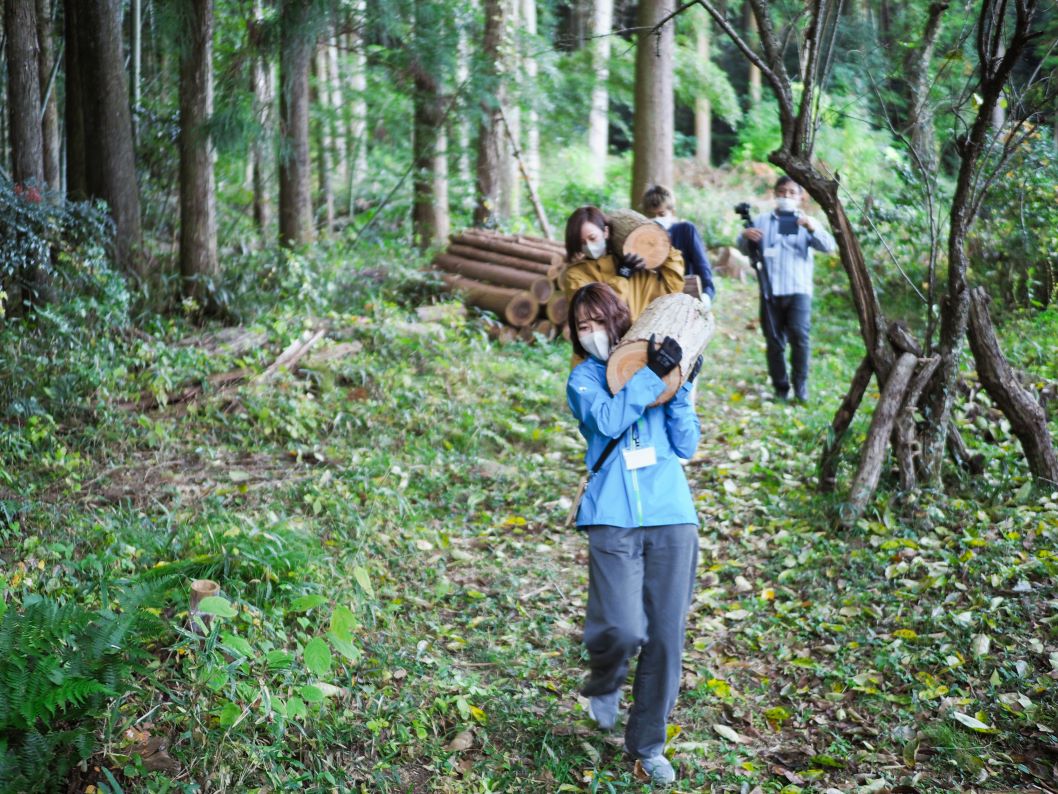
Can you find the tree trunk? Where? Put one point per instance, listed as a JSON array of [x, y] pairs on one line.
[[356, 139], [920, 117], [459, 122], [324, 162], [261, 148], [111, 166], [1028, 419], [295, 169], [874, 448], [199, 267], [599, 116], [23, 92], [136, 58], [703, 110], [335, 103], [754, 72], [76, 168], [490, 133], [654, 107], [531, 120], [839, 426], [48, 96], [430, 179], [508, 204]]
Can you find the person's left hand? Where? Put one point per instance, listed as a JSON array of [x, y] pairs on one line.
[[808, 223], [627, 264]]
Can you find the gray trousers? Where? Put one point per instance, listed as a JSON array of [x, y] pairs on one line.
[[640, 583]]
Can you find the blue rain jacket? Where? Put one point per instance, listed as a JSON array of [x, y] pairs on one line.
[[650, 496]]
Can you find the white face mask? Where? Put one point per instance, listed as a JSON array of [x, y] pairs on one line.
[[786, 204], [596, 343], [595, 249]]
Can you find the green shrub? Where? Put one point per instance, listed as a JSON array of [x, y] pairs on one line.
[[60, 664]]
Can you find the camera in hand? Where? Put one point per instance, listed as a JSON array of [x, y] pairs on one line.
[[787, 223]]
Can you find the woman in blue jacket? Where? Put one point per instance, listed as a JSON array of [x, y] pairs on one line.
[[641, 525]]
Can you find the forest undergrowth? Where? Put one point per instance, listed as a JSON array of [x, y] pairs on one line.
[[400, 605]]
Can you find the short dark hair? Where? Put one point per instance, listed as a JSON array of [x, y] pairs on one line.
[[603, 304], [580, 216], [787, 180], [656, 198]]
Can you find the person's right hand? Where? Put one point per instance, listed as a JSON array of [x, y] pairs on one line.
[[663, 358], [628, 264], [753, 235]]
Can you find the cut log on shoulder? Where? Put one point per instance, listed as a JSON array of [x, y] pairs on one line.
[[680, 316], [516, 307], [539, 285], [633, 233], [484, 255], [504, 247], [558, 308]]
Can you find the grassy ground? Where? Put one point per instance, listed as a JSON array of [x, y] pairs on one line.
[[402, 606]]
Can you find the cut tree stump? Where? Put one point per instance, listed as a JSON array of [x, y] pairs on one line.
[[680, 316], [633, 233], [516, 307], [558, 308]]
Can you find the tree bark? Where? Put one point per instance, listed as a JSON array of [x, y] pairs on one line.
[[297, 43], [324, 161], [489, 129], [356, 140], [531, 123], [873, 456], [334, 102], [509, 204], [429, 147], [199, 267], [111, 166], [76, 168], [755, 93], [136, 60], [1028, 419], [839, 425], [23, 92], [905, 444], [261, 149], [703, 110], [599, 116], [654, 105], [48, 96], [920, 115]]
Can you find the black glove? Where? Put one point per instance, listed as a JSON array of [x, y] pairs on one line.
[[695, 370], [627, 264], [663, 358]]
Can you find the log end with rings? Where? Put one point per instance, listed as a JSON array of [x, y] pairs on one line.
[[634, 233]]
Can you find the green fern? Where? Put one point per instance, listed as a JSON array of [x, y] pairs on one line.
[[59, 666]]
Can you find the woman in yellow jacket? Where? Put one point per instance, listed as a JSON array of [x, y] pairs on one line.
[[590, 258]]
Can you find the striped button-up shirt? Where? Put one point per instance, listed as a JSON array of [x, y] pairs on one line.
[[789, 257]]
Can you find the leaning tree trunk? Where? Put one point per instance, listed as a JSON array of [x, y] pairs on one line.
[[490, 132], [23, 91], [110, 154], [199, 267], [48, 96], [295, 168], [1028, 419], [654, 107], [599, 116]]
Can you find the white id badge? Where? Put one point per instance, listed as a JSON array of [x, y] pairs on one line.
[[771, 254], [639, 457]]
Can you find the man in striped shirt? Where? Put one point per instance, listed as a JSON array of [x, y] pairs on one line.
[[787, 238]]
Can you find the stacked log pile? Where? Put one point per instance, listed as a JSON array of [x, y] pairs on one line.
[[513, 276]]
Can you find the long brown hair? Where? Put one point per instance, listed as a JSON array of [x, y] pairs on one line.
[[580, 216], [601, 303]]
